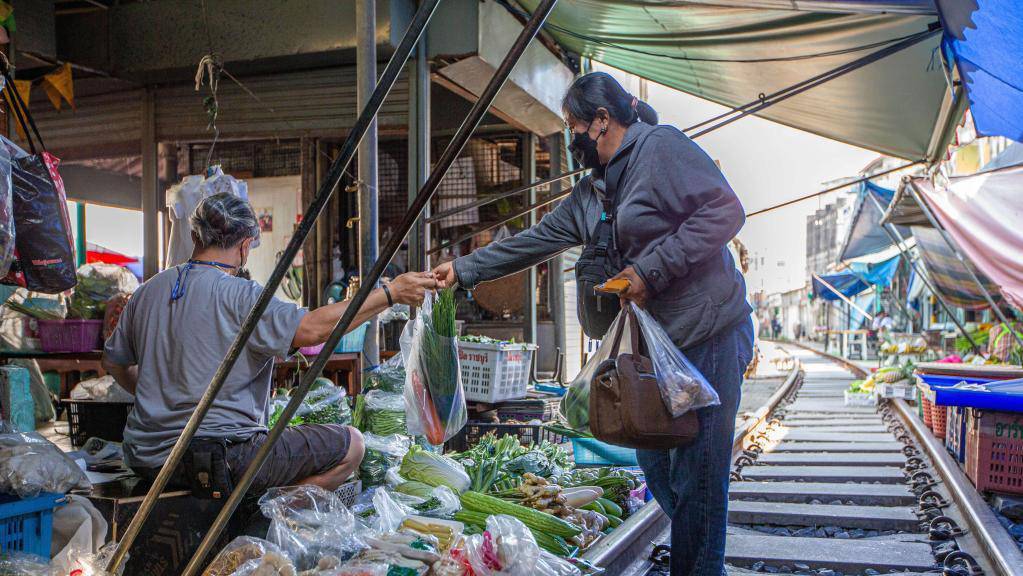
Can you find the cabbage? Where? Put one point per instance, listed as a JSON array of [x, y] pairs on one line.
[[417, 489], [424, 466]]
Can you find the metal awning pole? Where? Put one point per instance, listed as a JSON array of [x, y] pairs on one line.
[[879, 293], [896, 237], [449, 156], [337, 168], [954, 246], [502, 195]]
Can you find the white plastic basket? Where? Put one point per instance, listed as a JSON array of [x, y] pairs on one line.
[[495, 372], [349, 491], [896, 390], [859, 399]]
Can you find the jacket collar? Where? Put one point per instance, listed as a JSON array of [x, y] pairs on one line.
[[632, 133]]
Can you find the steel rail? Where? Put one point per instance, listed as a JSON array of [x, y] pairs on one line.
[[501, 196], [337, 168], [997, 544], [448, 157], [627, 542]]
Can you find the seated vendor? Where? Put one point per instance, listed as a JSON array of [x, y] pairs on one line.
[[176, 330]]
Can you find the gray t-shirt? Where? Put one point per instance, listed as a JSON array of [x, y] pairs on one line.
[[179, 345]]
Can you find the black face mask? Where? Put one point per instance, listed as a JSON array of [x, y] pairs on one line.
[[584, 149]]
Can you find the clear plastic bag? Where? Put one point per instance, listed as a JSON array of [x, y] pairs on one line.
[[575, 405], [683, 387], [20, 564], [245, 554], [382, 454], [6, 213], [389, 512], [385, 413], [434, 398], [102, 389], [325, 404], [309, 523], [30, 464], [388, 377], [507, 548], [97, 284]]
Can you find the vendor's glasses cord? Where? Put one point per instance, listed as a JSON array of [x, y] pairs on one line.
[[179, 284]]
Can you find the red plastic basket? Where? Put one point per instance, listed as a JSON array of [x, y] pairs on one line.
[[928, 409], [939, 420], [994, 450], [70, 335]]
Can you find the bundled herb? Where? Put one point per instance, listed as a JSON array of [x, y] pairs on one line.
[[433, 390]]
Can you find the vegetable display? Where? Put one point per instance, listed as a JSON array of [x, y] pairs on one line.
[[534, 519], [424, 466], [433, 384]]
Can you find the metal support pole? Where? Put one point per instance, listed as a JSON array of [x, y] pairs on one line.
[[313, 211], [395, 241], [419, 153], [528, 175], [896, 237], [954, 246], [150, 188], [369, 231], [556, 267], [81, 248]]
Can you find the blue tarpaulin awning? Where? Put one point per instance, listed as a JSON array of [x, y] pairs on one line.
[[865, 233], [880, 274], [985, 40], [847, 283]]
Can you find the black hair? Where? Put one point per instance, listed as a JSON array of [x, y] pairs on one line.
[[596, 90]]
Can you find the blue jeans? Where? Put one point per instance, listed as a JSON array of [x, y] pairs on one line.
[[691, 483]]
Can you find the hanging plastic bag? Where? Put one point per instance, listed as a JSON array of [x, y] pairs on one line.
[[508, 548], [309, 523], [575, 405], [382, 454], [97, 284], [683, 387], [245, 554], [7, 237], [434, 398]]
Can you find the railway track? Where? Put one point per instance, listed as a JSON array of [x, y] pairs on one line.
[[819, 488]]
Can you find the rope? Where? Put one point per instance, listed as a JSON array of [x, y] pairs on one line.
[[208, 72]]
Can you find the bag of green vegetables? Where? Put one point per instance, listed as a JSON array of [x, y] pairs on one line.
[[384, 413], [389, 376], [382, 453], [434, 397]]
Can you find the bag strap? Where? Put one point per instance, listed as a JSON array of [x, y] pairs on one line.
[[20, 109], [634, 333]]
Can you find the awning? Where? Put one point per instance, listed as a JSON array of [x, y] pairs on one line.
[[732, 53], [865, 234], [984, 37], [847, 283], [982, 214], [1011, 156], [947, 273], [904, 210], [879, 274]]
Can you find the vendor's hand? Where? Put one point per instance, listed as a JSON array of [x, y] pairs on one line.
[[411, 288], [637, 291], [445, 274]]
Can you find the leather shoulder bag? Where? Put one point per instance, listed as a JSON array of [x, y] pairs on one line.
[[625, 400]]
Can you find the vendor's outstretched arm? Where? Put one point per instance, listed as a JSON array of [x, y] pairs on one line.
[[316, 326]]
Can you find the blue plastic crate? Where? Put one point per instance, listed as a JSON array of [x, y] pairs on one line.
[[1004, 396], [353, 341], [593, 452], [27, 524]]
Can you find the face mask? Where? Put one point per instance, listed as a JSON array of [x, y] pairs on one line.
[[584, 149]]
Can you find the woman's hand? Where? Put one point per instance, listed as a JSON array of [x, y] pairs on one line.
[[410, 288], [445, 275], [637, 287]]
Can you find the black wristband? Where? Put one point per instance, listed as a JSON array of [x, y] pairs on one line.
[[387, 292]]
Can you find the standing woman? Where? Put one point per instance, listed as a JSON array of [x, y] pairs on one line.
[[656, 211]]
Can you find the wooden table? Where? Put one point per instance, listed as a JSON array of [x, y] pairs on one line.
[[70, 365], [344, 369]]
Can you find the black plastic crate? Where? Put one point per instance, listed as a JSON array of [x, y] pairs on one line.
[[91, 419], [526, 433]]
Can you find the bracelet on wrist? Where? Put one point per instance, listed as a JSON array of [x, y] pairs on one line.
[[387, 292]]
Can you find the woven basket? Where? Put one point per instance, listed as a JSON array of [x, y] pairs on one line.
[[503, 296]]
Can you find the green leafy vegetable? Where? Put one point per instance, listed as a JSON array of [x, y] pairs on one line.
[[424, 466]]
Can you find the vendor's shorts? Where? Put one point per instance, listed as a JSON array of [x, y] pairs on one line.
[[301, 451]]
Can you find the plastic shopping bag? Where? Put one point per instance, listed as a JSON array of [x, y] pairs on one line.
[[309, 523], [245, 554], [6, 213], [683, 387], [508, 548], [434, 398]]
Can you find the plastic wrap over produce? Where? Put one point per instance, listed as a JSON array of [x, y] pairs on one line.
[[434, 398], [507, 548], [310, 525], [6, 213], [30, 464]]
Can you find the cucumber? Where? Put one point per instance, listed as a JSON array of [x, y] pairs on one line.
[[596, 506], [614, 521], [610, 508]]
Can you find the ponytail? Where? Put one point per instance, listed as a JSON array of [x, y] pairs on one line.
[[596, 90]]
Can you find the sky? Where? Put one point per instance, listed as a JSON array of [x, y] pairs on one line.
[[766, 163]]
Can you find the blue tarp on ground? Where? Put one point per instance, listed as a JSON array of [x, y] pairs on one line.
[[986, 39]]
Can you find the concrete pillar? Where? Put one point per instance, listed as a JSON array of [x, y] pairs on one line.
[[369, 233], [150, 188]]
